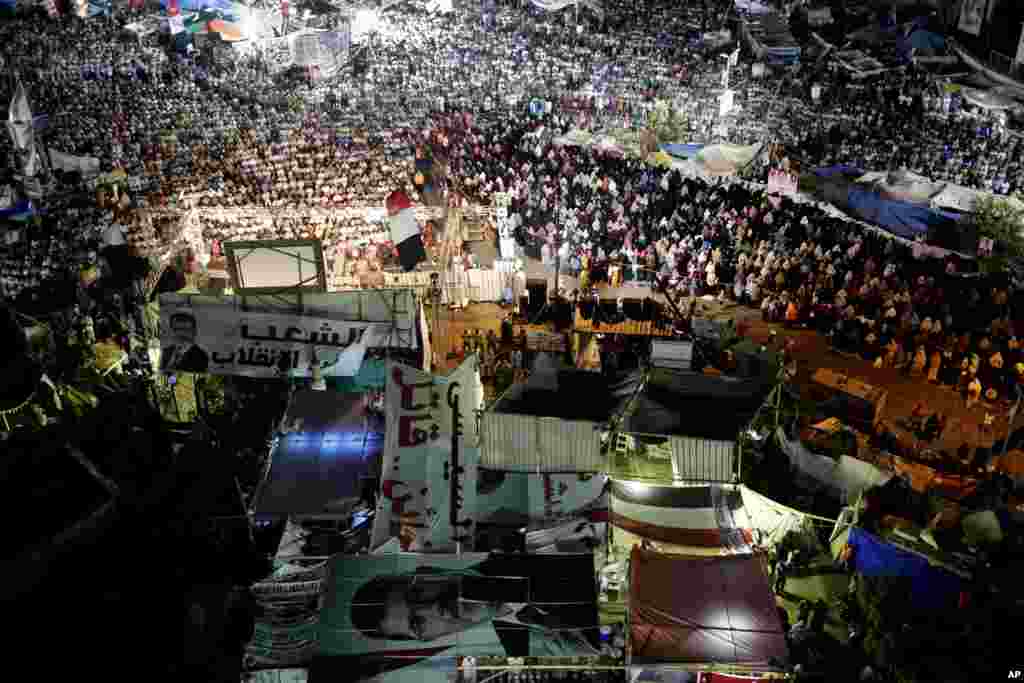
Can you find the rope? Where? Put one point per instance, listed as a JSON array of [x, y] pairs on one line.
[[11, 411]]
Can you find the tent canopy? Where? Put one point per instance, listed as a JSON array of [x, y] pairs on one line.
[[317, 466], [696, 405], [569, 394], [697, 516], [703, 610]]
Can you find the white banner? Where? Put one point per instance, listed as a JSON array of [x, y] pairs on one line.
[[555, 5], [415, 501], [972, 16], [224, 340], [1020, 48]]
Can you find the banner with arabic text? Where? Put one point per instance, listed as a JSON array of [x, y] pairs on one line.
[[223, 340], [428, 475]]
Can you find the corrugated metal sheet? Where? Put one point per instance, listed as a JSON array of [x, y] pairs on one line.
[[702, 459], [527, 443]]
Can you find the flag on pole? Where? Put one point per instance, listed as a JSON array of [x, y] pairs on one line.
[[401, 217]]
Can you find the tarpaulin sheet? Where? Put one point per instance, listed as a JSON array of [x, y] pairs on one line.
[[900, 218], [906, 187], [680, 151], [703, 610], [727, 159], [841, 170], [931, 588], [699, 516], [845, 478]]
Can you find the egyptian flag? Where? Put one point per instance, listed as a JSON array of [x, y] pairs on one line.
[[697, 516], [405, 232]]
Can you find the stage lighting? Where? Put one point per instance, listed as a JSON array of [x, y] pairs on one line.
[[251, 25], [364, 22]]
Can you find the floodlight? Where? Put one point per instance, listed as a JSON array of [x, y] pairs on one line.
[[364, 22], [251, 25]]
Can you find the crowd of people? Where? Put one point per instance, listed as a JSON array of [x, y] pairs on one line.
[[221, 132]]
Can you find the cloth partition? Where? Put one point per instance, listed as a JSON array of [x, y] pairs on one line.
[[772, 519], [931, 587]]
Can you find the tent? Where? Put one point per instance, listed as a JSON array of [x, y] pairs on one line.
[[698, 416], [318, 465], [931, 587], [844, 478], [699, 516], [703, 610]]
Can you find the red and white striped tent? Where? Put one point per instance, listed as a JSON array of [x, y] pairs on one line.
[[709, 516]]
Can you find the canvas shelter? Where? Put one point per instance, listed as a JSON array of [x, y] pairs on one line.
[[690, 516], [703, 611], [699, 415], [318, 465]]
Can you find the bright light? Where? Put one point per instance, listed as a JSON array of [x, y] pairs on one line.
[[364, 22], [251, 25]]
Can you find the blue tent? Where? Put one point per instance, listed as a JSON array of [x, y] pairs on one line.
[[842, 170], [900, 218], [922, 39], [931, 588], [682, 151]]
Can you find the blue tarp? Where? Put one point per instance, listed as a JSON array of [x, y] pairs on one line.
[[226, 6], [931, 588], [922, 39], [23, 210], [900, 218], [844, 170], [688, 151]]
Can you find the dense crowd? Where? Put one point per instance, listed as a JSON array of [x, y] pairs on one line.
[[188, 124]]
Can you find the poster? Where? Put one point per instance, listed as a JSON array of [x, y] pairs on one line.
[[972, 16], [223, 340], [286, 630], [407, 616], [428, 469], [559, 512]]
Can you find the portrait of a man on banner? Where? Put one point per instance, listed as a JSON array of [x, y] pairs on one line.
[[385, 613]]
